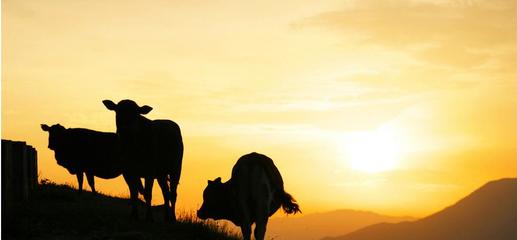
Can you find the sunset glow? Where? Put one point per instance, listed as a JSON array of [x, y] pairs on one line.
[[373, 151], [399, 107]]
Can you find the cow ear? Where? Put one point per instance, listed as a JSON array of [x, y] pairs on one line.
[[45, 127], [145, 109], [218, 180], [110, 105]]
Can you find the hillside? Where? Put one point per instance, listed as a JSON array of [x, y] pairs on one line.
[[58, 212], [319, 225], [489, 213]]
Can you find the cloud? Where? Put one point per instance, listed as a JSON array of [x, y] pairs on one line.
[[460, 34], [453, 55]]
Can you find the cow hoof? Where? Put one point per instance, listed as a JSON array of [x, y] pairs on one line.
[[171, 219]]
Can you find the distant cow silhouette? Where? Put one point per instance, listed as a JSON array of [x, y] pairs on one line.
[[254, 193], [153, 149], [86, 151]]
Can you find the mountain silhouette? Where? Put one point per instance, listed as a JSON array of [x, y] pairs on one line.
[[319, 225], [489, 213]]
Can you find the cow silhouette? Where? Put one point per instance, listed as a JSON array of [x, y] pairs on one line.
[[84, 151], [254, 192], [152, 149]]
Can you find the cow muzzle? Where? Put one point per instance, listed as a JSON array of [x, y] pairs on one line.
[[201, 214]]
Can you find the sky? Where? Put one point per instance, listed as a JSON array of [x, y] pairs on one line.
[[399, 107]]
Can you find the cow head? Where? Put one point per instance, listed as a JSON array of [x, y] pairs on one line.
[[128, 114], [56, 142], [214, 201], [56, 134]]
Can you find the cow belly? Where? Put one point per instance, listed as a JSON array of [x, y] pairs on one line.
[[105, 166], [107, 174], [140, 170], [153, 158]]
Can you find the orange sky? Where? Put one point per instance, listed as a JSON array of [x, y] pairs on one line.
[[400, 107]]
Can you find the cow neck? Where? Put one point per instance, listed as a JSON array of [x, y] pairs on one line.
[[144, 122], [62, 149], [60, 155], [64, 152], [231, 202], [145, 127]]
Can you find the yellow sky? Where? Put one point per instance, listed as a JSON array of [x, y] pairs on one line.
[[298, 81]]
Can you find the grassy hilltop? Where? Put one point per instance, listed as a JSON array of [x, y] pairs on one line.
[[59, 212]]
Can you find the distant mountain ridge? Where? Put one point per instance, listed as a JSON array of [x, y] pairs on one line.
[[489, 213], [319, 225]]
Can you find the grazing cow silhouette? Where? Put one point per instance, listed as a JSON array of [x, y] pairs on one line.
[[86, 151], [254, 193], [152, 149]]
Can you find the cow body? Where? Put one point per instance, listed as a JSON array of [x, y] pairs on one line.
[[254, 193], [85, 151], [151, 149], [147, 150]]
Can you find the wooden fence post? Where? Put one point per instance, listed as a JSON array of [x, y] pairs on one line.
[[19, 171]]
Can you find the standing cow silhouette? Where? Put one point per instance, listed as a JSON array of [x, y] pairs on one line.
[[152, 149], [84, 151]]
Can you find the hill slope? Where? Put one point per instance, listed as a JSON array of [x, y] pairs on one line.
[[489, 213], [59, 212], [318, 225]]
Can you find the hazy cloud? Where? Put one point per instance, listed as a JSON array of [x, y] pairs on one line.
[[458, 33]]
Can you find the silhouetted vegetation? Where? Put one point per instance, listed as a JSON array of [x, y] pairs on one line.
[[59, 212]]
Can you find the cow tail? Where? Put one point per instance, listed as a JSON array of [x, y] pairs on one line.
[[289, 204]]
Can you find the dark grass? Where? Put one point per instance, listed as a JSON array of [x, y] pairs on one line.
[[59, 212]]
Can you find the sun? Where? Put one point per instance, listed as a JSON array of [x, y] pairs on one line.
[[372, 151]]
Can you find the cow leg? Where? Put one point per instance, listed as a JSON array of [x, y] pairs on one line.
[[246, 231], [80, 181], [245, 219], [261, 211], [133, 192], [174, 194], [139, 186], [162, 181], [91, 182], [260, 228], [262, 214], [148, 190], [243, 208]]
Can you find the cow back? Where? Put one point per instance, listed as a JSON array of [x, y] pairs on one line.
[[257, 160]]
